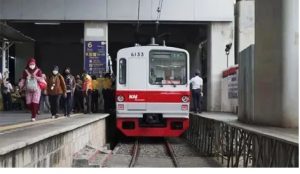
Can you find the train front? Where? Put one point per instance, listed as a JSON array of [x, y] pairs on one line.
[[153, 91]]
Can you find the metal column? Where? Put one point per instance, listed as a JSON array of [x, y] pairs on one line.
[[5, 46], [3, 57]]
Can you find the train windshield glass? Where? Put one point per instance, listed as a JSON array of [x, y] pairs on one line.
[[168, 68]]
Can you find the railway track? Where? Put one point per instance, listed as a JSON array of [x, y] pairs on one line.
[[157, 152], [136, 151], [171, 153]]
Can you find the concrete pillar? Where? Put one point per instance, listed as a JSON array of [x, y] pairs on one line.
[[245, 34], [219, 35], [245, 24], [276, 63], [195, 58], [97, 34], [96, 31]]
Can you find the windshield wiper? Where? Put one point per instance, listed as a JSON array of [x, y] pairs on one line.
[[161, 84]]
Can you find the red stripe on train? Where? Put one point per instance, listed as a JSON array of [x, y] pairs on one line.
[[153, 96]]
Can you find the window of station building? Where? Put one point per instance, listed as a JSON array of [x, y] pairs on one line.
[[122, 71], [167, 68]]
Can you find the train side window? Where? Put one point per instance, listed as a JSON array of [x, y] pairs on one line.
[[122, 70]]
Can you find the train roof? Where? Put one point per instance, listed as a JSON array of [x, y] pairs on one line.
[[150, 47]]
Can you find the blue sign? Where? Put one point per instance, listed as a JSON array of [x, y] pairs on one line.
[[95, 57]]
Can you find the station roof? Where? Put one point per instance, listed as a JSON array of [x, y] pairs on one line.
[[10, 34]]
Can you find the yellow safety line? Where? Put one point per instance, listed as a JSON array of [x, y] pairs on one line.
[[38, 122]]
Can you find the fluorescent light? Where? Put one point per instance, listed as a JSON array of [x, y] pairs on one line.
[[47, 23]]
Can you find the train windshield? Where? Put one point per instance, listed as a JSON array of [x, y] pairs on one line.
[[167, 68]]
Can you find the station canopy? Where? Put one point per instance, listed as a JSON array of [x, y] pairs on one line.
[[10, 34]]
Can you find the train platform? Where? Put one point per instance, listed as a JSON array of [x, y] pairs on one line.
[[289, 135], [240, 144], [32, 144], [17, 117]]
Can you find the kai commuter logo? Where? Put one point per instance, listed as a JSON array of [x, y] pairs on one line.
[[134, 97]]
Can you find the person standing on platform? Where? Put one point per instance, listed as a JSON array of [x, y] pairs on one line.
[[70, 84], [95, 94], [78, 96], [44, 101], [56, 88], [31, 78], [107, 93], [197, 84], [7, 90], [16, 99], [87, 88]]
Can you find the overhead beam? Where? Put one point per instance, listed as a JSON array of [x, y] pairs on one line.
[[10, 34]]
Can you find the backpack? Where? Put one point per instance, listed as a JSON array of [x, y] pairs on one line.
[[31, 83]]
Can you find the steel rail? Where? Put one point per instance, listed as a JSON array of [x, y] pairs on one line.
[[134, 153], [171, 153]]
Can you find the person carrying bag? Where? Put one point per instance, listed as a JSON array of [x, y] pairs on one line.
[[31, 78]]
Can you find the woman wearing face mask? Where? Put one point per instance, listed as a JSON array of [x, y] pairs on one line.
[[32, 75], [55, 89]]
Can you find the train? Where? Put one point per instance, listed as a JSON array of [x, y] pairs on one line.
[[152, 91]]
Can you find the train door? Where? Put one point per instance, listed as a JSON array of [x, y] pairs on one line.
[[137, 71]]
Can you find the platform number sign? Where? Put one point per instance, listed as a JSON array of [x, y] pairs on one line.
[[95, 57]]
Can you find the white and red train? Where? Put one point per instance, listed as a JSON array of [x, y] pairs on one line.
[[153, 92]]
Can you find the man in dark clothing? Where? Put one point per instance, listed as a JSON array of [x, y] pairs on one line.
[[107, 93], [78, 96], [70, 85], [95, 94]]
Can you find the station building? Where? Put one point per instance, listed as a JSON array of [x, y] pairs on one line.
[[60, 29], [58, 32]]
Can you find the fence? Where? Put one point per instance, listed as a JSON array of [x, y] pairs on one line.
[[235, 146]]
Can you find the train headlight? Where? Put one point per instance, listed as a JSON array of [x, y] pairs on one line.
[[184, 107], [185, 99], [120, 98], [120, 107]]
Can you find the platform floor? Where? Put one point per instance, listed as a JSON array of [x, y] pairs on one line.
[[289, 135], [15, 117], [13, 137]]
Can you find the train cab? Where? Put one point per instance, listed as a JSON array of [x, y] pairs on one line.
[[153, 93]]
